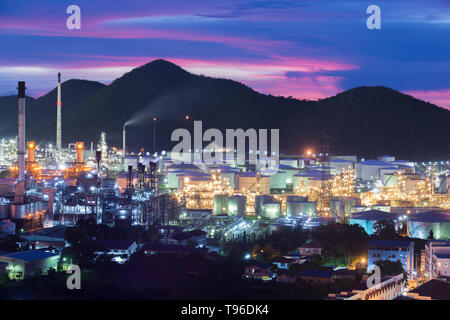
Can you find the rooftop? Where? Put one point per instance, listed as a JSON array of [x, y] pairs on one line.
[[30, 255], [318, 273], [389, 243], [436, 289]]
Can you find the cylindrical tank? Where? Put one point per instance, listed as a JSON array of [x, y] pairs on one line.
[[421, 224], [237, 205], [296, 198], [271, 210], [220, 204], [259, 202]]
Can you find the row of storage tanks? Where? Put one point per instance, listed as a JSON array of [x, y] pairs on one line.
[[419, 222], [265, 206]]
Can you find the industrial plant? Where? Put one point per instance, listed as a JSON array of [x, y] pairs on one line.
[[47, 187]]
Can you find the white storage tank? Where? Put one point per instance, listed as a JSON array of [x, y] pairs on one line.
[[260, 200], [237, 205], [338, 165], [366, 219], [420, 224], [369, 170], [278, 180], [386, 158], [220, 204], [300, 208], [271, 210]]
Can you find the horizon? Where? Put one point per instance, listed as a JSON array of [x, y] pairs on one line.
[[294, 48], [337, 93]]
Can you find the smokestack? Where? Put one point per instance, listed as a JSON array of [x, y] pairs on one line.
[[58, 114], [79, 156], [20, 186], [31, 151], [124, 140]]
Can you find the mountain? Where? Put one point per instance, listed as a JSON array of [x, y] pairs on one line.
[[41, 112], [366, 121]]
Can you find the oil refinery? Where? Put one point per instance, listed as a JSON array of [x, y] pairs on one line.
[[44, 186]]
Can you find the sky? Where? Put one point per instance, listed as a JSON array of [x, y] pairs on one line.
[[307, 49]]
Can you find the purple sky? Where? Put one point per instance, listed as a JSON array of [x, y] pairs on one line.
[[306, 49]]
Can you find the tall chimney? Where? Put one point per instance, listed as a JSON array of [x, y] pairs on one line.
[[124, 140], [58, 115], [19, 196]]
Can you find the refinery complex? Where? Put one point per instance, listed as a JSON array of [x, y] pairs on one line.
[[44, 186]]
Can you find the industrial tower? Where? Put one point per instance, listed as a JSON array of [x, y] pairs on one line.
[[58, 114], [323, 203]]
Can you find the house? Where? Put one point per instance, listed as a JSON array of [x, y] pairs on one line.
[[392, 250], [436, 259], [389, 288], [318, 277], [25, 264], [282, 262], [431, 290], [7, 227], [121, 250], [311, 248], [288, 276], [184, 238], [260, 270], [346, 274], [174, 249]]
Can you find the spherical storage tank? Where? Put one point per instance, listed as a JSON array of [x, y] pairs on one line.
[[420, 224]]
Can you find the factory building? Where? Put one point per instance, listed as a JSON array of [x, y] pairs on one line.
[[7, 227], [253, 181], [369, 170], [26, 264], [338, 165], [290, 162]]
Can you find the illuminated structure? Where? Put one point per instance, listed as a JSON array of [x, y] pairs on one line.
[[58, 114], [19, 196], [78, 166]]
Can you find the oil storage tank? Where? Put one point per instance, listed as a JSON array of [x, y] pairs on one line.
[[367, 219], [421, 224], [237, 205], [220, 204], [271, 210]]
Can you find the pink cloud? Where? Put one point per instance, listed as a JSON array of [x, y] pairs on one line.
[[438, 97]]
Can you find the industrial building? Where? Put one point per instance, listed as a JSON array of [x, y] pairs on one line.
[[25, 264]]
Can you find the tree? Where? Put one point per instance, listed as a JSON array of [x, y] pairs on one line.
[[391, 268], [385, 229]]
